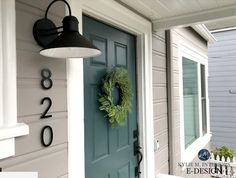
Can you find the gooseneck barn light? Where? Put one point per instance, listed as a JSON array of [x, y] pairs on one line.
[[68, 43]]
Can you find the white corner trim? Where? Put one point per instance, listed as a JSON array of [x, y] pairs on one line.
[[9, 128], [202, 30], [116, 15]]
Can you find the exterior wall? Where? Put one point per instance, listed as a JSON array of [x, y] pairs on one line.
[[50, 162], [160, 102], [162, 118], [222, 74], [193, 39]]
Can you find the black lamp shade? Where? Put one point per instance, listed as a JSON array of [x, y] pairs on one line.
[[70, 45]]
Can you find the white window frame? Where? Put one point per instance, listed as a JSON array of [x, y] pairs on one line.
[[9, 128], [189, 52]]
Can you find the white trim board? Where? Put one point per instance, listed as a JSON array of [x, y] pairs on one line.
[[110, 12], [202, 30], [9, 128], [195, 18]]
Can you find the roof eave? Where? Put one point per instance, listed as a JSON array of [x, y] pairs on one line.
[[202, 30]]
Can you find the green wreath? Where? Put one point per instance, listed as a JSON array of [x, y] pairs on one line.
[[116, 114]]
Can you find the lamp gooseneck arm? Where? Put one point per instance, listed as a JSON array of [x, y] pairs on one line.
[[46, 13]]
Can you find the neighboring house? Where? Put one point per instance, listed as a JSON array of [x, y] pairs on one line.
[[222, 88], [168, 70]]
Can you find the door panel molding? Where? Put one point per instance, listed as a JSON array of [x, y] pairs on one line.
[[110, 12]]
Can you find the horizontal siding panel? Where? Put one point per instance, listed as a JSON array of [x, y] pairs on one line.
[[225, 48], [159, 77], [221, 136], [225, 125], [222, 43], [160, 125], [35, 118], [192, 38], [63, 176], [224, 62], [163, 139], [31, 105], [33, 140], [159, 109], [30, 64], [223, 117], [164, 169], [219, 54], [221, 80], [160, 34], [217, 144], [175, 66], [25, 25], [161, 157], [175, 103], [224, 130], [175, 92], [228, 36], [159, 93], [158, 45], [45, 165], [57, 9], [158, 60], [175, 51], [13, 161]]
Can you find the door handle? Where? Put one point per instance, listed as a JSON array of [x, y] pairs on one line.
[[140, 156], [137, 151]]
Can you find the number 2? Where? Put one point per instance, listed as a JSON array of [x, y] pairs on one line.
[[44, 115]]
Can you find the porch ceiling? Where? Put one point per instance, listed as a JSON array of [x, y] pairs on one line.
[[169, 13]]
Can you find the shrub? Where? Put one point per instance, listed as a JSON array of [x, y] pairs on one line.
[[224, 151]]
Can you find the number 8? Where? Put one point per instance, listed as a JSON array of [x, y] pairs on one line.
[[46, 81]]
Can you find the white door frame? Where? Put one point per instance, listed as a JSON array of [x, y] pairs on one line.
[[116, 15]]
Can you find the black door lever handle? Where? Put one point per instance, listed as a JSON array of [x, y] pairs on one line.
[[139, 154]]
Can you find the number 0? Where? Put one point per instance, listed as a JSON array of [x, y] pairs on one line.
[[49, 128]]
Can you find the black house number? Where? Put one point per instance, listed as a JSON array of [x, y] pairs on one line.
[[46, 82], [49, 104], [47, 131]]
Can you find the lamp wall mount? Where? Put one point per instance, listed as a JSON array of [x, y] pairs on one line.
[[44, 30]]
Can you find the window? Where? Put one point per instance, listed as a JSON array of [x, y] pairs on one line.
[[194, 100], [203, 99], [190, 99], [194, 120]]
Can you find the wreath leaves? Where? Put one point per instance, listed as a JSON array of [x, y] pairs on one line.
[[116, 114]]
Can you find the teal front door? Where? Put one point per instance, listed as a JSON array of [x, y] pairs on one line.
[[109, 152]]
